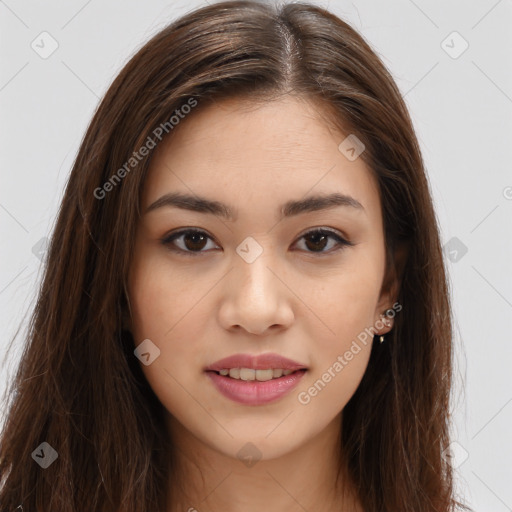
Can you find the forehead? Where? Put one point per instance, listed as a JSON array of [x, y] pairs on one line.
[[241, 151]]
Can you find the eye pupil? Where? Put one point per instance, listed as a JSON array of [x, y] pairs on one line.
[[195, 236], [193, 242], [317, 237]]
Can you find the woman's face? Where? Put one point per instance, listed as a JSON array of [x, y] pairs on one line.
[[258, 282]]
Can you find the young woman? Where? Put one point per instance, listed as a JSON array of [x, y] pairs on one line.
[[244, 305]]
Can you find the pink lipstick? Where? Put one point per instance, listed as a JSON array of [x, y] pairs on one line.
[[255, 380]]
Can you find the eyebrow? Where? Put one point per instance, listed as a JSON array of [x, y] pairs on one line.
[[290, 208]]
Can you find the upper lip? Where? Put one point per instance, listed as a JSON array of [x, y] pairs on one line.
[[256, 362]]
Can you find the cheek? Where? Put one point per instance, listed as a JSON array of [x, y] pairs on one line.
[[345, 306], [168, 309], [340, 358], [343, 354], [160, 297], [162, 304], [172, 311], [346, 300]]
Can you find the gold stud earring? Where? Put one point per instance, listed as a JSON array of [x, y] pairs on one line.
[[382, 339]]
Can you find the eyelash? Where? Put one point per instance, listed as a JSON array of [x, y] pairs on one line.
[[169, 239]]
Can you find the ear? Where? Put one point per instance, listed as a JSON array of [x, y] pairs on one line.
[[390, 287]]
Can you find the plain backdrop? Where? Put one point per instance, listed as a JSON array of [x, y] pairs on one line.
[[453, 63]]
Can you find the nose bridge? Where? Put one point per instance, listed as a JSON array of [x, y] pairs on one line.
[[256, 281], [256, 299]]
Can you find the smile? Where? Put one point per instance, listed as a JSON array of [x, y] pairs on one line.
[[251, 374]]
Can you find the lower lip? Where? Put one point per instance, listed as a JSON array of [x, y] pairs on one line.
[[254, 392]]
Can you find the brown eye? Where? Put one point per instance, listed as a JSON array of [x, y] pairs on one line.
[[317, 240], [192, 241]]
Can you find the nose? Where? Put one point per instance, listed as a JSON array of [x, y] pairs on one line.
[[256, 297]]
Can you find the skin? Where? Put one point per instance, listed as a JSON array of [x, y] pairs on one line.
[[306, 305]]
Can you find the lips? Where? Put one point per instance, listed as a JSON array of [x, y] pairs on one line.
[[255, 392], [256, 362]]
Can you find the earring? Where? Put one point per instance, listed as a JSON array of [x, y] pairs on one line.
[[386, 320]]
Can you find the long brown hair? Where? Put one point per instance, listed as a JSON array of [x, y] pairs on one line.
[[79, 386]]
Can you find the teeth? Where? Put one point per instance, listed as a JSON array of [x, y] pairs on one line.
[[247, 374], [235, 373], [250, 374], [263, 375]]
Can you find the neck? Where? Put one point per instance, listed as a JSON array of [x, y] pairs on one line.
[[302, 479]]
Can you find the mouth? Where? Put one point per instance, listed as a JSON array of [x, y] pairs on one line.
[[260, 375], [255, 367], [255, 379]]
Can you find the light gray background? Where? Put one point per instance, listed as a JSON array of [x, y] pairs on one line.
[[462, 111]]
